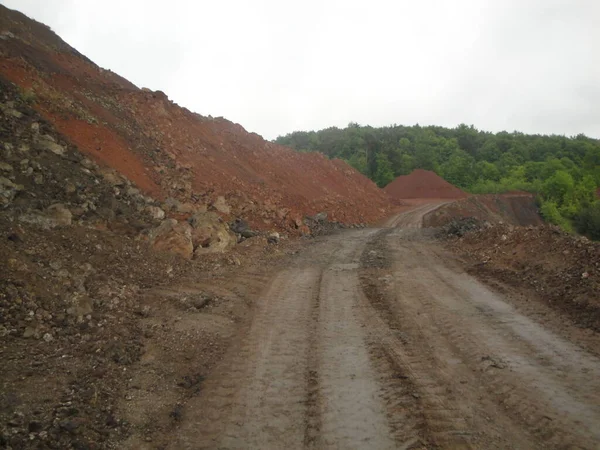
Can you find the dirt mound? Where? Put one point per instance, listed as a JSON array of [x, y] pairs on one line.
[[422, 184], [172, 153], [513, 208], [563, 270]]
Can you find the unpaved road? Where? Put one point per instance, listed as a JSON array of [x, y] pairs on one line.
[[375, 339]]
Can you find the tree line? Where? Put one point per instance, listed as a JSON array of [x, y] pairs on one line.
[[563, 171]]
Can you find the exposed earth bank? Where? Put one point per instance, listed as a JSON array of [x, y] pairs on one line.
[[543, 263], [184, 160], [517, 208]]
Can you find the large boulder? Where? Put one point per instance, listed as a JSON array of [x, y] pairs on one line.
[[173, 237], [210, 234]]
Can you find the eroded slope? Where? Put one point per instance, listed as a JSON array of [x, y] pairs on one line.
[[169, 151]]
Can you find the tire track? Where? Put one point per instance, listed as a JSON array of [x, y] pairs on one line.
[[312, 419], [526, 379], [453, 415], [352, 414], [257, 398], [303, 377]]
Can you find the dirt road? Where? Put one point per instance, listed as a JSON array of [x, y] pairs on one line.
[[375, 339]]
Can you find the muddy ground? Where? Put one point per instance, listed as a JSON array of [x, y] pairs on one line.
[[368, 338], [371, 338]]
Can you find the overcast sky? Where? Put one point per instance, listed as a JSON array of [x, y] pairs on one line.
[[277, 66]]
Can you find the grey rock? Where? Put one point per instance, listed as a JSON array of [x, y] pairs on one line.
[[88, 164], [241, 227], [8, 190], [320, 217], [29, 332], [155, 212], [47, 143]]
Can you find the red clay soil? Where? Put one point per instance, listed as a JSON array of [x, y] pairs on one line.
[[423, 184], [168, 151]]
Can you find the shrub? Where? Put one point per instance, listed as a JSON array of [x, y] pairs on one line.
[[551, 214], [587, 221]]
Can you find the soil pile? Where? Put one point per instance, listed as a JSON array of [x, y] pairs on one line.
[[178, 157], [563, 270], [423, 184], [75, 268], [517, 208]]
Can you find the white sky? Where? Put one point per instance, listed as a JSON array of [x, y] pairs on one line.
[[279, 66]]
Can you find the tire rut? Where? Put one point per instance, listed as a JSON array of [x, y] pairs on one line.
[[540, 379], [370, 339], [256, 399], [304, 360], [480, 368], [440, 423]]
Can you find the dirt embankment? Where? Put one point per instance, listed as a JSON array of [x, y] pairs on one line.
[[76, 309], [559, 269], [515, 209], [170, 152]]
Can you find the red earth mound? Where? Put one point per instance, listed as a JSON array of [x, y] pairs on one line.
[[170, 152], [423, 184]]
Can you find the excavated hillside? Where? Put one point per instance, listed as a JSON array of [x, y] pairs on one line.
[[185, 160], [517, 208], [132, 227]]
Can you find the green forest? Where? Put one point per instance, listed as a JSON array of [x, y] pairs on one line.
[[563, 171]]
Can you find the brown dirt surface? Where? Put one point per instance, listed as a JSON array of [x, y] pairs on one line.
[[170, 152], [422, 184], [480, 366], [517, 208], [562, 270]]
